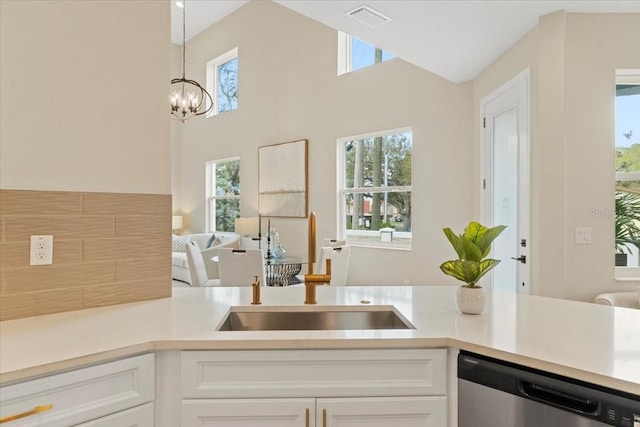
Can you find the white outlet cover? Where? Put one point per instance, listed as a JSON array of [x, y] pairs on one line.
[[41, 250]]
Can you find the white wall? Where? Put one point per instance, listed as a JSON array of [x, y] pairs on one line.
[[289, 90], [573, 58], [84, 96]]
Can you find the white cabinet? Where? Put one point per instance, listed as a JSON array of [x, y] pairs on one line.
[[248, 412], [314, 388], [83, 394], [140, 416], [408, 411]]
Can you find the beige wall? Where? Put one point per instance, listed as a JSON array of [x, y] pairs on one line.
[[288, 91], [573, 58], [83, 112], [84, 96]]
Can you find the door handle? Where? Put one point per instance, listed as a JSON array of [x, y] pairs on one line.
[[521, 258]]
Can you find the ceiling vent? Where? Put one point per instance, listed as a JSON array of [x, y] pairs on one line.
[[368, 16]]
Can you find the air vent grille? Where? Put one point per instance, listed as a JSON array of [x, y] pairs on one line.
[[368, 16]]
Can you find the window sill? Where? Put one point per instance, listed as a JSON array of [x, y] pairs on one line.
[[380, 245], [627, 274]]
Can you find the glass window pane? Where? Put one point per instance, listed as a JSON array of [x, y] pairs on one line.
[[364, 55], [377, 210], [227, 179], [228, 86], [628, 137], [627, 197], [383, 161], [227, 210]]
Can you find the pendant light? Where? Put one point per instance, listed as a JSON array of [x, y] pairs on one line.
[[188, 97]]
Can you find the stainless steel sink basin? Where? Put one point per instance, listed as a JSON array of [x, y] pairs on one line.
[[316, 318]]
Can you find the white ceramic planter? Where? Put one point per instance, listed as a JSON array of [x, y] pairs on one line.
[[471, 300]]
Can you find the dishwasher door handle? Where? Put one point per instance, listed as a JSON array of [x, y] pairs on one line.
[[560, 399]]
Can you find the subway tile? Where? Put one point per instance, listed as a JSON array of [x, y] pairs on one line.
[[129, 291], [28, 202], [126, 204], [143, 225], [26, 304], [125, 248], [16, 254], [47, 277], [159, 267], [19, 228]]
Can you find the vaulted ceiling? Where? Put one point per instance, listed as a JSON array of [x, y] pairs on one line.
[[451, 38]]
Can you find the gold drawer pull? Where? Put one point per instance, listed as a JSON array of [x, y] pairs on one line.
[[324, 417], [306, 417], [36, 410]]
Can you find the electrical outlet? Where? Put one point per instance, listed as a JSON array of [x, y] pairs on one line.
[[41, 250]]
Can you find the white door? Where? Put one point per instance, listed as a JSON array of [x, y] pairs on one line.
[[505, 181], [410, 411]]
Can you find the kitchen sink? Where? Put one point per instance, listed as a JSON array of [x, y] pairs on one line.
[[314, 318]]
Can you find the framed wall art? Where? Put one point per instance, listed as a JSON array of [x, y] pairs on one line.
[[283, 179]]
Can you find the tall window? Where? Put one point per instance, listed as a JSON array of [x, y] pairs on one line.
[[222, 82], [627, 198], [375, 189], [223, 194], [354, 54]]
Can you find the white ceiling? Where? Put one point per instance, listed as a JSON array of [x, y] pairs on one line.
[[452, 38]]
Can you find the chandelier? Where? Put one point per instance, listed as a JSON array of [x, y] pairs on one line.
[[188, 97]]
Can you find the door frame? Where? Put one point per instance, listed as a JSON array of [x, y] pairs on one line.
[[524, 167]]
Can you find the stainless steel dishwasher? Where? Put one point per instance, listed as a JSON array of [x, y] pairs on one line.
[[492, 393]]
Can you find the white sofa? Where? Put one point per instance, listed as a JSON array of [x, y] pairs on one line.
[[179, 266], [620, 299]]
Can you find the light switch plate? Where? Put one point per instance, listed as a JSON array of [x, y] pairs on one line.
[[583, 235]]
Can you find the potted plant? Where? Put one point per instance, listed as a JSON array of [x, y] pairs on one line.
[[626, 223], [473, 247]]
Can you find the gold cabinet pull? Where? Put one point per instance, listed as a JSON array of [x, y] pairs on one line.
[[324, 417], [36, 410], [306, 417]]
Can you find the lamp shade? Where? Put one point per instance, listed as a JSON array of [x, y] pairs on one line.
[[176, 222], [247, 226]]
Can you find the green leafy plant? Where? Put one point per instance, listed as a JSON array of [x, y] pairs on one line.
[[627, 221], [472, 247]]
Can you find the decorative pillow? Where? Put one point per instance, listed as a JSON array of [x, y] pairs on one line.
[[211, 240], [179, 243], [216, 242]]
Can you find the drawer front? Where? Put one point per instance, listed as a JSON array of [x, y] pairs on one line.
[[140, 416], [313, 373], [83, 394]]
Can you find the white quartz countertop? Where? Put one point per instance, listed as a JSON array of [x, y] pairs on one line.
[[594, 343]]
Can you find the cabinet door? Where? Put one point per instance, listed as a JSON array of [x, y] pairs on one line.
[[248, 412], [141, 416], [413, 411]]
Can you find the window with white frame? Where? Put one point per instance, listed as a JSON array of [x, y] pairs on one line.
[[355, 54], [627, 196], [222, 82], [374, 189], [223, 194]]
